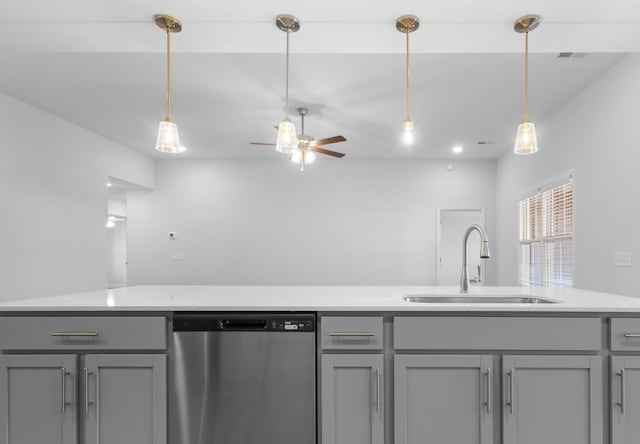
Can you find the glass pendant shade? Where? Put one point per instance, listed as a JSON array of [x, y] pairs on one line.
[[168, 140], [287, 139], [526, 140]]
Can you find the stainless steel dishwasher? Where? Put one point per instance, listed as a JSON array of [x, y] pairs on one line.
[[243, 378]]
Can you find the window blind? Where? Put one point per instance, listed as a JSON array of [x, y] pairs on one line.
[[546, 237]]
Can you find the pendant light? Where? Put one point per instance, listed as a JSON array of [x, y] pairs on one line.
[[407, 24], [287, 140], [526, 140], [168, 140]]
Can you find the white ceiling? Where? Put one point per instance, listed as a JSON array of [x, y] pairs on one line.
[[101, 65]]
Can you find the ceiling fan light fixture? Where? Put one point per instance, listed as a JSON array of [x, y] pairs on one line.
[[168, 140], [526, 139], [309, 157], [406, 24], [307, 146], [287, 141]]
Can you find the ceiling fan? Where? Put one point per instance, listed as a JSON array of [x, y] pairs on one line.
[[307, 145]]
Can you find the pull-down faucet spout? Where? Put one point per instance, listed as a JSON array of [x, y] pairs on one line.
[[484, 254]]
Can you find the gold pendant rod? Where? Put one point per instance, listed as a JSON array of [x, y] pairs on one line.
[[168, 116], [286, 88], [526, 77], [407, 74]]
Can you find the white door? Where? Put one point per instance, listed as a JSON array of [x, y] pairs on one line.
[[452, 225]]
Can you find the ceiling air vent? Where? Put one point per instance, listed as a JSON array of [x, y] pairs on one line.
[[572, 55]]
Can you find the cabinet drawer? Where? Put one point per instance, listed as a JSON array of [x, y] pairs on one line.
[[82, 333], [344, 332], [625, 334], [496, 333]]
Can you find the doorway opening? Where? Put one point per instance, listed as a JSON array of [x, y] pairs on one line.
[[116, 232]]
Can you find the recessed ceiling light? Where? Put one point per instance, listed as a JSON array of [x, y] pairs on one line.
[[109, 184], [457, 149]]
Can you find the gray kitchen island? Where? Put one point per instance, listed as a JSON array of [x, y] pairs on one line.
[[508, 365]]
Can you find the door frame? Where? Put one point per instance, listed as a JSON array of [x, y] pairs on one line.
[[439, 211]]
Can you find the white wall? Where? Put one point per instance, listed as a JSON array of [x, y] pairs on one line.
[[596, 135], [263, 222], [54, 201]]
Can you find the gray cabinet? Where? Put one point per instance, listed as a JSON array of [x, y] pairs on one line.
[[78, 395], [552, 399], [352, 399], [625, 399], [124, 399], [114, 399], [38, 399], [444, 399]]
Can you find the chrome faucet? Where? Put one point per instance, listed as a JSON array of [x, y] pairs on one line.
[[484, 254]]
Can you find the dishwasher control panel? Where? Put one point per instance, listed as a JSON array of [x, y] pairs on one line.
[[292, 325], [285, 322]]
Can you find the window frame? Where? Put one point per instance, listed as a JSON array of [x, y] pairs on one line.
[[549, 184]]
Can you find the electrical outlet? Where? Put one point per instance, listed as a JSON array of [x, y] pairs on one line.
[[622, 259]]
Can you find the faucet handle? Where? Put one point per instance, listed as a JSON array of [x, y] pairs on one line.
[[476, 279]]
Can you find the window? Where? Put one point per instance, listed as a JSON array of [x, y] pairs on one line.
[[546, 238]]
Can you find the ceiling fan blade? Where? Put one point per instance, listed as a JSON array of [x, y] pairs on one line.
[[328, 140], [262, 143], [327, 152]]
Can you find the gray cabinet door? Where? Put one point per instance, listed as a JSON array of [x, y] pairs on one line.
[[625, 399], [552, 399], [124, 399], [444, 399], [352, 399], [38, 399]]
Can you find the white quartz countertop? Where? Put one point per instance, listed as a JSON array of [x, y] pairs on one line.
[[166, 298]]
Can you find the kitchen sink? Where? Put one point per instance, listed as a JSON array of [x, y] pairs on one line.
[[464, 299]]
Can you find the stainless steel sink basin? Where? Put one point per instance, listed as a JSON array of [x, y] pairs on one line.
[[464, 299]]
